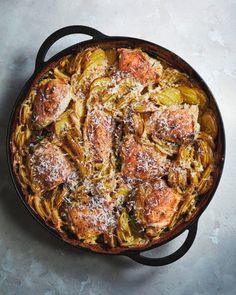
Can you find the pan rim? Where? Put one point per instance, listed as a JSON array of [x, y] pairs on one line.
[[100, 41]]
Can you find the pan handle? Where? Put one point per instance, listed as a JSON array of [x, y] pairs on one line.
[[192, 231], [61, 33]]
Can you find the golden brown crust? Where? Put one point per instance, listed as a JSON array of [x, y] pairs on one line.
[[98, 135], [139, 65], [48, 166], [157, 204], [51, 100], [176, 123], [93, 218], [142, 161]]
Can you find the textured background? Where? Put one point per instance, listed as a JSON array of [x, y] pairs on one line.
[[203, 33]]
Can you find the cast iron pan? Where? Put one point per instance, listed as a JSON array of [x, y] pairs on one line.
[[163, 54]]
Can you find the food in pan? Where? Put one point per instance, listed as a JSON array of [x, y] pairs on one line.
[[113, 148]]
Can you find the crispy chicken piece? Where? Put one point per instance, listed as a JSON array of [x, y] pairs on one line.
[[92, 219], [98, 135], [177, 124], [140, 65], [156, 204], [142, 161], [51, 101], [48, 166]]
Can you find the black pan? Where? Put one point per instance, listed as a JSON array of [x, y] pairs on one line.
[[163, 54]]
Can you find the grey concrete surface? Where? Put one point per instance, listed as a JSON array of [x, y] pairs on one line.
[[203, 33]]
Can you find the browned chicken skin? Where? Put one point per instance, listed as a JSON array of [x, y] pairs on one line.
[[50, 102], [98, 135], [93, 218], [139, 65], [157, 204], [176, 123], [142, 161], [48, 166]]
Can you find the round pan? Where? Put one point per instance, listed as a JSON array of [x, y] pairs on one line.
[[163, 54]]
